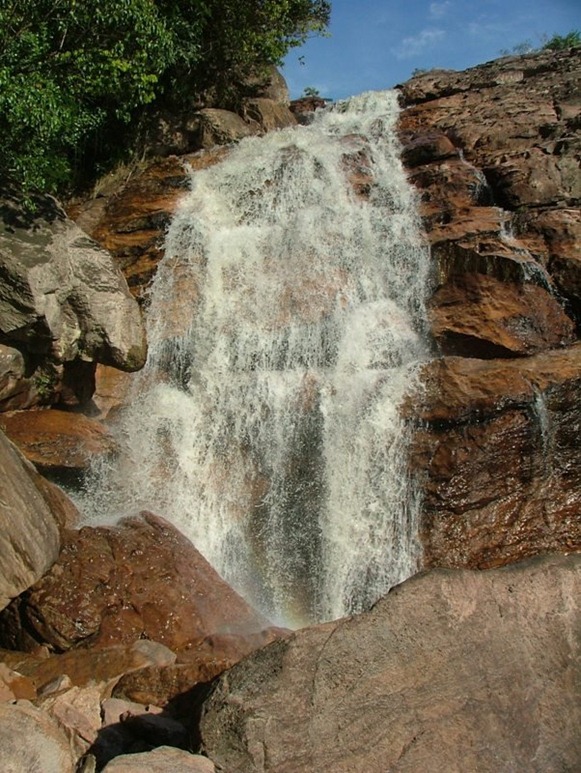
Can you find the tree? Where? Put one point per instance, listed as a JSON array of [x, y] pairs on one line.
[[73, 71]]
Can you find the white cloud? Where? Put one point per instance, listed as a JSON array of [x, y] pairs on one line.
[[417, 44], [439, 9]]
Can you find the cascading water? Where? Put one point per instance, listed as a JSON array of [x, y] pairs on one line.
[[266, 423]]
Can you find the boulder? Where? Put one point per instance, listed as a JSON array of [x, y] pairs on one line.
[[269, 115], [29, 532], [221, 127], [82, 668], [30, 740], [453, 670], [61, 296], [160, 760], [140, 579], [14, 685]]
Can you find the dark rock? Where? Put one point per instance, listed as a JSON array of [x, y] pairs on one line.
[[497, 458]]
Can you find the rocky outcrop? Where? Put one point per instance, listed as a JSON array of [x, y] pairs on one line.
[[63, 307], [29, 531], [58, 441], [498, 458], [452, 670], [130, 216], [494, 153], [161, 760], [140, 579], [131, 208]]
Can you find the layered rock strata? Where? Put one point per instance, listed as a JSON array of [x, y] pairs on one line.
[[494, 152]]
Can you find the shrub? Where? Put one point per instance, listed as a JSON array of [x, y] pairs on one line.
[[560, 42]]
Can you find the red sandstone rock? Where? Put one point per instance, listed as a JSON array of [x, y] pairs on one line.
[[130, 223], [140, 579], [83, 667], [57, 440], [476, 315], [505, 134], [497, 458]]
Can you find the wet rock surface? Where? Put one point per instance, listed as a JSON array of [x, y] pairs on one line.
[[494, 154], [58, 441], [139, 579], [497, 458]]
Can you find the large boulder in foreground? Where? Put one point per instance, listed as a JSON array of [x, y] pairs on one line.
[[140, 579], [29, 532], [453, 670]]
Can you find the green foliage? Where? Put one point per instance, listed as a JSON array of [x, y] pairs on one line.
[[310, 91], [556, 43], [561, 42], [74, 71]]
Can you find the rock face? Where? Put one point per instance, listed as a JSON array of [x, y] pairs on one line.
[[498, 458], [140, 579], [161, 760], [451, 671], [63, 307], [494, 153], [128, 216], [129, 219], [29, 532]]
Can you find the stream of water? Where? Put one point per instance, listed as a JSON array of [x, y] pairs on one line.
[[286, 323]]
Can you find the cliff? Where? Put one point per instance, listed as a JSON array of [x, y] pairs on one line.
[[494, 153]]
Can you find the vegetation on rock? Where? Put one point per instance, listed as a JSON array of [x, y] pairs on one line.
[[73, 73]]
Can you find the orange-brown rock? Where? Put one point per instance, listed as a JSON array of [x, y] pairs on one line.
[[497, 457], [84, 667], [131, 222], [111, 390], [140, 579], [475, 315], [161, 685], [494, 153], [58, 441]]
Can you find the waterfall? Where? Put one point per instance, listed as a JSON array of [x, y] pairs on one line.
[[286, 323]]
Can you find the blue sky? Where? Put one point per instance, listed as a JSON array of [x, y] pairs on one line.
[[375, 44]]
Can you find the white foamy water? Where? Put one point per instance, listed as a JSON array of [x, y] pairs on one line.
[[285, 328]]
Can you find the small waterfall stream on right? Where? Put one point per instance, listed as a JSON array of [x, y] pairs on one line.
[[266, 424]]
